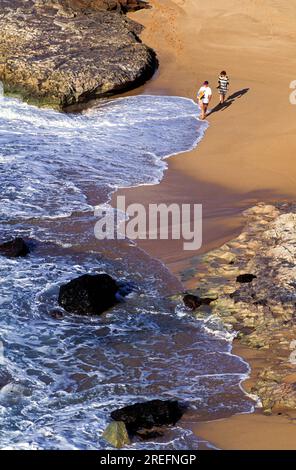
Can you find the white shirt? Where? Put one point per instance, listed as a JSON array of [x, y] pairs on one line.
[[207, 94]]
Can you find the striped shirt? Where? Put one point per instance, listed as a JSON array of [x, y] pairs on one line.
[[223, 83]]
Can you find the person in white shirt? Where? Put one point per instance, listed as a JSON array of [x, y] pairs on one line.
[[204, 97]]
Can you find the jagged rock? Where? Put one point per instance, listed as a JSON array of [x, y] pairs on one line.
[[116, 434], [89, 294], [14, 248], [146, 415], [83, 55]]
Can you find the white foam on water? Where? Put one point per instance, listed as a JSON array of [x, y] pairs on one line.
[[68, 375], [49, 160]]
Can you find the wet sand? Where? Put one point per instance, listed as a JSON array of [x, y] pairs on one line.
[[248, 153], [240, 432]]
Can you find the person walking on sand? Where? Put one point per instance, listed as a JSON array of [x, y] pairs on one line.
[[204, 97], [223, 84]]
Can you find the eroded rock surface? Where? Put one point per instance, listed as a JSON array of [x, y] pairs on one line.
[[263, 310], [63, 52]]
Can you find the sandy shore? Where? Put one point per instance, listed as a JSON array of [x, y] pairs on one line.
[[248, 152]]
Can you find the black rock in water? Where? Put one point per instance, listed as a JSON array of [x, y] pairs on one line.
[[245, 278], [146, 415], [193, 301], [14, 248], [89, 294]]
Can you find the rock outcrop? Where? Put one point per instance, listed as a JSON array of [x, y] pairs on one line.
[[253, 279], [65, 52], [89, 294]]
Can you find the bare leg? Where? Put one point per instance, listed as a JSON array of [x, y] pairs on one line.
[[222, 98], [202, 108], [201, 105]]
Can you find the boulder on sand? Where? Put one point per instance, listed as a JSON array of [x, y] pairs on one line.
[[149, 414], [90, 294], [14, 248]]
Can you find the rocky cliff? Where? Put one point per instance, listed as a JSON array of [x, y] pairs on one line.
[[64, 52]]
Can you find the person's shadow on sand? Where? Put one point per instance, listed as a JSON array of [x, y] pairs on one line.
[[228, 102]]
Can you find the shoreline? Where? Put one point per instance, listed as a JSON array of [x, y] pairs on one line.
[[270, 180], [260, 307]]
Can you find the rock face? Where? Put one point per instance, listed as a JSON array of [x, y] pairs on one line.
[[262, 308], [67, 52], [89, 294], [14, 248], [148, 414]]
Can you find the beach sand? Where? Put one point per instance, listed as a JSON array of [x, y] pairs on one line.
[[248, 153]]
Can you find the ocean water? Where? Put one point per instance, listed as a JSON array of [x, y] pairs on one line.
[[67, 375]]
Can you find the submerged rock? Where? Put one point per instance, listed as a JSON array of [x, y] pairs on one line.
[[89, 294], [57, 314], [13, 393], [152, 433], [116, 434], [87, 51], [14, 248], [148, 414]]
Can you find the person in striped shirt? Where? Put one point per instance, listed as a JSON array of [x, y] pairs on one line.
[[223, 84]]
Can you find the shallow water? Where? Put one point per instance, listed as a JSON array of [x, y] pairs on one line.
[[69, 374]]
